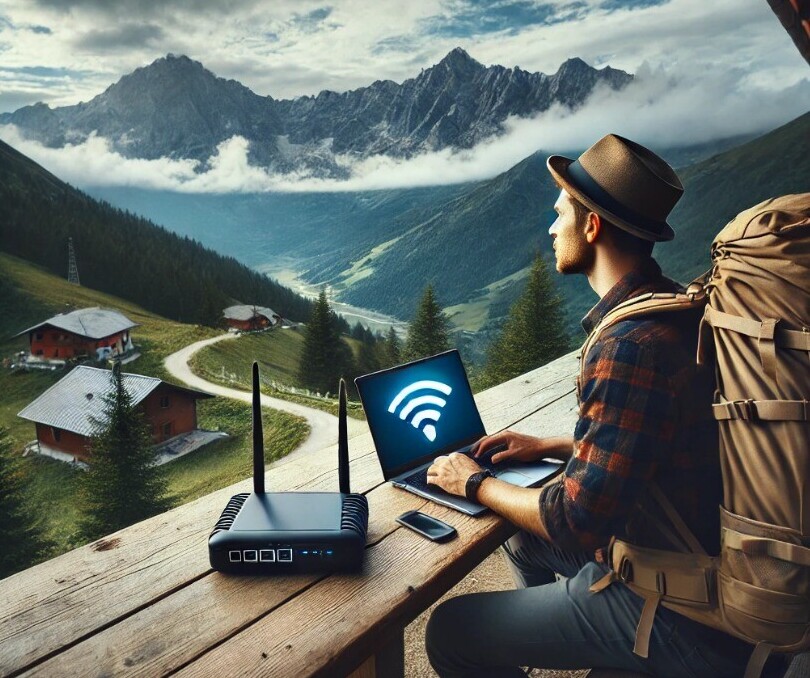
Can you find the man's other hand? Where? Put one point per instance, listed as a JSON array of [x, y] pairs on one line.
[[451, 472], [520, 447]]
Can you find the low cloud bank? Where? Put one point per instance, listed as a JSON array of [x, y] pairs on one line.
[[660, 108]]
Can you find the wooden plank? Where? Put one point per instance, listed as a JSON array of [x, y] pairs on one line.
[[58, 603], [329, 629], [176, 629]]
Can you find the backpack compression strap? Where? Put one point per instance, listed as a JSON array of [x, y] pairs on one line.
[[643, 305]]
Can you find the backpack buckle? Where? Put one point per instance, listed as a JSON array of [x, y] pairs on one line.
[[744, 409], [661, 583], [626, 571]]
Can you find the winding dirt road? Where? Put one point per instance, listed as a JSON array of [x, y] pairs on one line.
[[323, 426]]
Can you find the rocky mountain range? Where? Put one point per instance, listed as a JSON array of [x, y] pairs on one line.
[[176, 108]]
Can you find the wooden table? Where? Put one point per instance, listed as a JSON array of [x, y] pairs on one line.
[[144, 600]]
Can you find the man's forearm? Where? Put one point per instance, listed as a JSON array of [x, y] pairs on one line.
[[518, 505]]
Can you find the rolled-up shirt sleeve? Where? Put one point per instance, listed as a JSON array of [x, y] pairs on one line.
[[625, 428]]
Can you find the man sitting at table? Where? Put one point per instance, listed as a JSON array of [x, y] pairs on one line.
[[644, 414]]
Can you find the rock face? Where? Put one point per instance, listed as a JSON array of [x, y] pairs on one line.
[[176, 108]]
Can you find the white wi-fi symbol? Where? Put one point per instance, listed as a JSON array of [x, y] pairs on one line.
[[428, 416]]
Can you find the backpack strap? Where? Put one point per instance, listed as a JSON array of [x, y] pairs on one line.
[[762, 410], [677, 522], [757, 661], [767, 332], [646, 304]]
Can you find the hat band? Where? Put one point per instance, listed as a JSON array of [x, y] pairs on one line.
[[601, 197]]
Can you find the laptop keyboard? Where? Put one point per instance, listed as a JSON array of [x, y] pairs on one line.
[[418, 479]]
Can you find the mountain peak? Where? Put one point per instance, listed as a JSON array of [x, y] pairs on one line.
[[574, 65], [459, 59]]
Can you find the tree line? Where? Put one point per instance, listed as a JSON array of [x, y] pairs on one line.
[[532, 335], [125, 255]]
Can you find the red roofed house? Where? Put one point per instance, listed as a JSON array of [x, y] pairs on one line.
[[251, 318], [94, 332], [64, 414]]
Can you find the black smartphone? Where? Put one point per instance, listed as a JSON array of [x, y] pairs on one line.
[[428, 526]]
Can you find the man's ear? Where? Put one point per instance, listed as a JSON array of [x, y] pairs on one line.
[[593, 227]]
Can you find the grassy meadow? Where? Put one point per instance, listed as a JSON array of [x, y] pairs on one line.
[[229, 363], [28, 295]]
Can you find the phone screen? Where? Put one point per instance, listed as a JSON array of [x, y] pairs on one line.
[[432, 527]]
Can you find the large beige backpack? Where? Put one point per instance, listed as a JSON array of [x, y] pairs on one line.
[[757, 309]]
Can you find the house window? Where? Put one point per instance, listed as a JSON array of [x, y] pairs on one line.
[[167, 429], [39, 336], [164, 401], [57, 434]]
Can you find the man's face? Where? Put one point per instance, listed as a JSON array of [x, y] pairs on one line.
[[572, 251]]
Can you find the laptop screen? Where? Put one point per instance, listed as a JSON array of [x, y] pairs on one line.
[[419, 410]]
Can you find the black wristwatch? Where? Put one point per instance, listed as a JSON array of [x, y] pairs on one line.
[[474, 482]]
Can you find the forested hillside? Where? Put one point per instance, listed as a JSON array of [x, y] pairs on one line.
[[125, 255]]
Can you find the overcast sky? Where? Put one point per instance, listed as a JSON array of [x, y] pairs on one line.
[[705, 67]]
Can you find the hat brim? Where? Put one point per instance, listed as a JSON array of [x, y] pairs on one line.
[[558, 166]]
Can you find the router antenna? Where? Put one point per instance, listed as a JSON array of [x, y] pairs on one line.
[[258, 434], [343, 441]]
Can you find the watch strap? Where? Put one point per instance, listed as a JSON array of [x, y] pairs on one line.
[[474, 482]]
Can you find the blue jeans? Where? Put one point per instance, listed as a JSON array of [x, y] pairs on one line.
[[556, 623]]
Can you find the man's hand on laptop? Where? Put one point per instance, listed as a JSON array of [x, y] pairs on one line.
[[520, 447], [451, 472]]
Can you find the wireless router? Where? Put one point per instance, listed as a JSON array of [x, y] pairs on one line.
[[291, 532]]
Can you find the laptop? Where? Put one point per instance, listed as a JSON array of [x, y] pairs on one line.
[[424, 409]]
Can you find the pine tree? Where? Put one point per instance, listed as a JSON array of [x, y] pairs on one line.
[[428, 331], [122, 485], [534, 332], [391, 349], [326, 357], [22, 540], [368, 359]]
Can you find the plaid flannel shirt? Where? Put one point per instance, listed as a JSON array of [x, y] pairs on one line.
[[644, 414]]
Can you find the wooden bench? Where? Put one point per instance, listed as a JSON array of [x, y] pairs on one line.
[[144, 600]]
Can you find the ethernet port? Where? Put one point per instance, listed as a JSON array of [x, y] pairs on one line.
[[235, 556], [285, 555], [250, 556], [267, 556]]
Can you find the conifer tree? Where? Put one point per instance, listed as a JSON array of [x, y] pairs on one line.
[[368, 359], [428, 331], [391, 349], [534, 332], [325, 357], [122, 485], [22, 540]]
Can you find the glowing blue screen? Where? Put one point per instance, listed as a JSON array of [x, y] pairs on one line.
[[419, 409]]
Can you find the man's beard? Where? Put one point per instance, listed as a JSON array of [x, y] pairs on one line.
[[576, 256]]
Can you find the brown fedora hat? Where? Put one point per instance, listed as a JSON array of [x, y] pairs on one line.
[[623, 182]]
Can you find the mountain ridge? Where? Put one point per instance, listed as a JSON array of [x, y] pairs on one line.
[[176, 108]]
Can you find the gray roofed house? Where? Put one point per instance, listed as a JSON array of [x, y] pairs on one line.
[[66, 413], [244, 317], [87, 332], [93, 323], [243, 312], [73, 401]]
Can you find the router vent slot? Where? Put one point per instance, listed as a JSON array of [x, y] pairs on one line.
[[230, 512], [355, 514]]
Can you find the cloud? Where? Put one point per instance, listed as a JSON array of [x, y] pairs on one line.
[[122, 36], [661, 108]]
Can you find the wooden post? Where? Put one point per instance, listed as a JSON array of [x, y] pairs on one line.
[[388, 662]]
